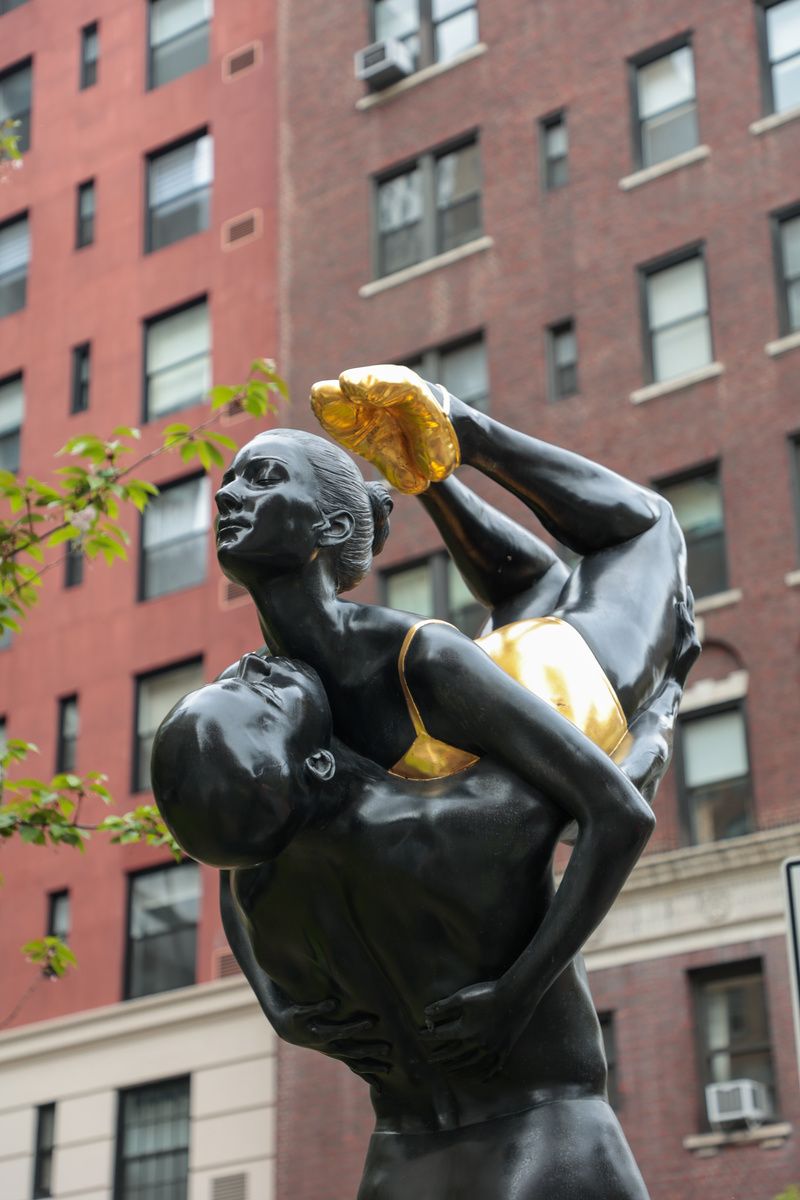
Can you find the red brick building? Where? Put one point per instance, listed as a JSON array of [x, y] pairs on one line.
[[585, 216], [137, 264], [581, 215]]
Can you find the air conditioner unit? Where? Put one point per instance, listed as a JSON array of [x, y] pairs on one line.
[[740, 1100], [383, 63]]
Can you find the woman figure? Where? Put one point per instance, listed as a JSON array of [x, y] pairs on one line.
[[607, 646]]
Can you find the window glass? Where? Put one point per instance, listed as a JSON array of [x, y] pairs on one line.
[[716, 775], [15, 102], [7, 5], [58, 919], [556, 151], [178, 352], [15, 252], [179, 192], [463, 371], [12, 408], [81, 377], [396, 19], [179, 38], [458, 183], [43, 1151], [73, 565], [677, 292], [790, 254], [411, 590], [455, 28], [666, 82], [157, 694], [68, 728], [174, 538], [734, 1029], [698, 506], [90, 52], [86, 209], [715, 748], [679, 325], [154, 1149], [783, 48], [162, 934], [564, 360], [464, 611], [399, 221]]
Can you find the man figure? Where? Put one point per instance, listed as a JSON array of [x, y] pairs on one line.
[[353, 899]]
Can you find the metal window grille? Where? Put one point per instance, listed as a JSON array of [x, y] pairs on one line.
[[162, 929], [679, 325], [555, 151], [90, 54], [179, 192], [15, 253], [782, 45], [15, 102], [153, 1142], [156, 694], [177, 360], [179, 38], [68, 729], [175, 528], [666, 106]]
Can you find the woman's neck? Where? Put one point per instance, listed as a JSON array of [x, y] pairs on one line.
[[301, 615]]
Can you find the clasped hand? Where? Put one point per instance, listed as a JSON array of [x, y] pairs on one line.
[[306, 1025], [474, 1030]]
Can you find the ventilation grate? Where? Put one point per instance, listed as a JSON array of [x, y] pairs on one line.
[[241, 229], [241, 60], [229, 1187], [225, 965]]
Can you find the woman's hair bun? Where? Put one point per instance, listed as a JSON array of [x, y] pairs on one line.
[[381, 504]]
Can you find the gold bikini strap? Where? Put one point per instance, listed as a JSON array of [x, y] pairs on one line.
[[413, 711]]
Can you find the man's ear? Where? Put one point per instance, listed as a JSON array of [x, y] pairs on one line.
[[337, 528], [321, 765]]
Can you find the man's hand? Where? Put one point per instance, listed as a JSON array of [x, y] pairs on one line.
[[306, 1025], [474, 1030]]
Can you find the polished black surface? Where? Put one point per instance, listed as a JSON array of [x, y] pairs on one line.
[[411, 928]]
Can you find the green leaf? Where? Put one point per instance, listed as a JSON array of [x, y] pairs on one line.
[[68, 534], [127, 431], [221, 396]]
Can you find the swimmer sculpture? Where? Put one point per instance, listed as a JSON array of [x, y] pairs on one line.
[[384, 796]]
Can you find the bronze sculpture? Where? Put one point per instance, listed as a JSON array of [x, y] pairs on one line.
[[388, 893]]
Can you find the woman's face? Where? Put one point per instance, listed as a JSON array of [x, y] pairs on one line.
[[269, 515]]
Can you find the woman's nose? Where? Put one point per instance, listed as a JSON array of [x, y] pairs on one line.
[[227, 501]]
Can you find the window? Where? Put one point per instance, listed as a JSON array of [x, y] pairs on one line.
[[153, 1142], [177, 360], [434, 31], [7, 5], [562, 357], [787, 230], [90, 52], [732, 1025], [81, 377], [461, 368], [156, 694], [68, 726], [58, 915], [12, 409], [715, 775], [678, 324], [794, 452], [163, 910], [434, 588], [554, 145], [780, 42], [84, 214], [428, 208], [175, 538], [73, 565], [15, 252], [665, 109], [608, 1033], [15, 101], [179, 192], [179, 37], [697, 501], [43, 1151]]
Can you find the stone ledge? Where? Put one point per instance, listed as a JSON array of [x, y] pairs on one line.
[[782, 345], [768, 1136], [775, 120], [374, 99], [697, 154], [715, 858], [653, 390], [427, 264], [718, 600], [707, 692]]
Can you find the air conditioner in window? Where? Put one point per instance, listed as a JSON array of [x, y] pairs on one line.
[[383, 63], [739, 1101]]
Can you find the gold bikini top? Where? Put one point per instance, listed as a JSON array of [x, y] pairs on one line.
[[547, 656]]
